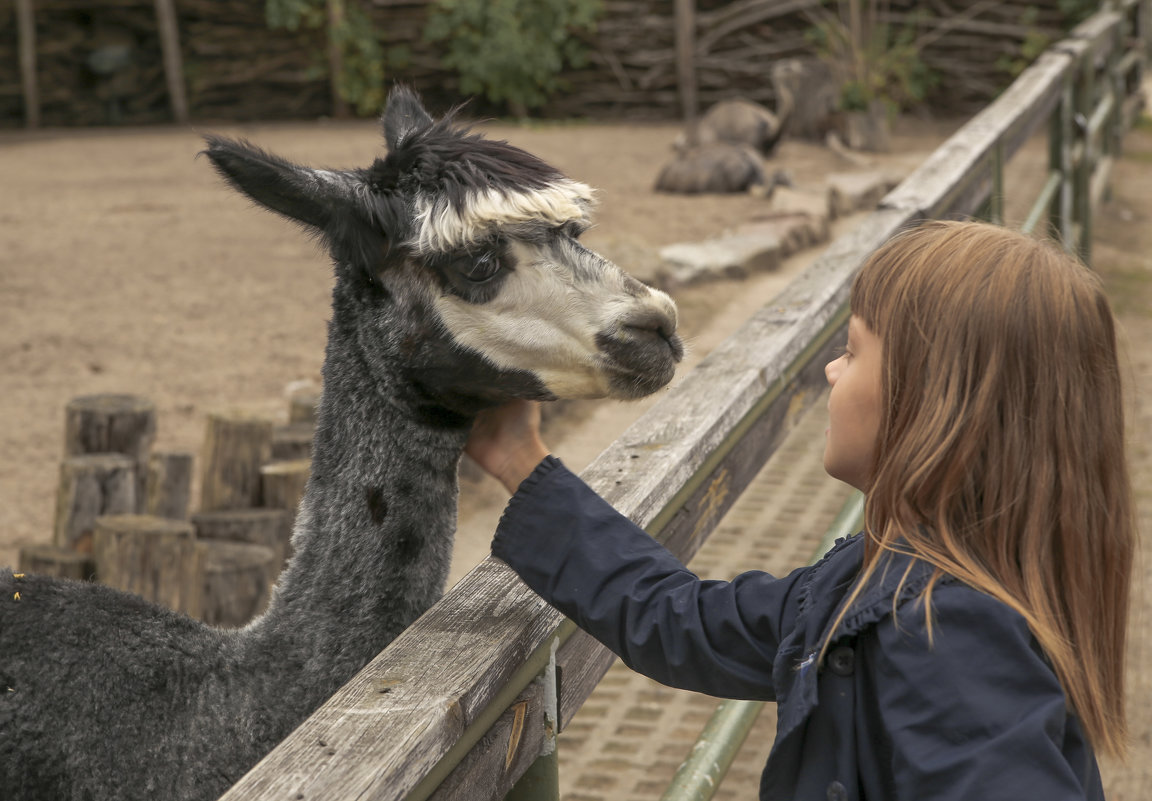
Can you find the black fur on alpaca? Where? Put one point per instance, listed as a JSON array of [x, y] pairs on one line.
[[459, 284]]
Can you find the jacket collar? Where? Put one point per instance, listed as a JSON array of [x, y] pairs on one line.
[[899, 576]]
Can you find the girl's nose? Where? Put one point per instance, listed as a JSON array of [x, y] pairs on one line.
[[831, 371]]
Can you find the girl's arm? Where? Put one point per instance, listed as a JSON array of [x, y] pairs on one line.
[[978, 713], [623, 587]]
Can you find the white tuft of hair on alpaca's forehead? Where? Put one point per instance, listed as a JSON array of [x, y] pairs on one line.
[[440, 227]]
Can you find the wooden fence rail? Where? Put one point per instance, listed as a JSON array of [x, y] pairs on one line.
[[463, 703]]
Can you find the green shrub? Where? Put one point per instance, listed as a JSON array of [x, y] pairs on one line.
[[512, 51], [364, 60]]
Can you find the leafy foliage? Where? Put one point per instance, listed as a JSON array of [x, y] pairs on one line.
[[871, 59], [1076, 11], [364, 60], [512, 50], [1035, 42]]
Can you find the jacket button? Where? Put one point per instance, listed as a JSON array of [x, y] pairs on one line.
[[842, 660], [836, 792]]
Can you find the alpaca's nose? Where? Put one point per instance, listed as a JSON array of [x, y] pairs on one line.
[[658, 323]]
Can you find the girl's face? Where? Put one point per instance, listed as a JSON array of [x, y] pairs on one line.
[[854, 406]]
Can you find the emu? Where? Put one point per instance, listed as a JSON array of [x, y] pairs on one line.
[[460, 283], [721, 168], [724, 150]]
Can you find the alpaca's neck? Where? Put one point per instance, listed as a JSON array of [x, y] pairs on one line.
[[373, 539]]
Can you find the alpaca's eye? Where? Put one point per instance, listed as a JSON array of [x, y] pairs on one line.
[[483, 268]]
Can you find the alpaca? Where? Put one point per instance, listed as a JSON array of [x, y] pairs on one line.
[[460, 283]]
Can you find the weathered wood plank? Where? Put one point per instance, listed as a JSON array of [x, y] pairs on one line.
[[508, 748], [953, 180], [388, 727], [1099, 30], [385, 743]]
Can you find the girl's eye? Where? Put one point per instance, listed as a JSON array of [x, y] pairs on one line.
[[484, 268]]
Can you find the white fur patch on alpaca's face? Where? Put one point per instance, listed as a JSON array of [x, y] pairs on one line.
[[441, 228], [548, 315]]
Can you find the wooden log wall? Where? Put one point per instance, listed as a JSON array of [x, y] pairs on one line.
[[237, 69]]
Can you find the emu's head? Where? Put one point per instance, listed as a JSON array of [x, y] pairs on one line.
[[458, 259]]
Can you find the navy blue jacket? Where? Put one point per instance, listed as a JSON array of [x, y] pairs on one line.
[[979, 714]]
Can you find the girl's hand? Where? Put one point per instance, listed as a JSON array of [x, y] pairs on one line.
[[505, 441]]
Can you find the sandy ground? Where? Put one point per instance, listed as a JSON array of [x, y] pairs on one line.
[[127, 266]]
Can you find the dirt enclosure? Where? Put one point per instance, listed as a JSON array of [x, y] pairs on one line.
[[126, 265]]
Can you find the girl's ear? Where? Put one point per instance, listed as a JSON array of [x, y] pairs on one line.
[[311, 197], [403, 116]]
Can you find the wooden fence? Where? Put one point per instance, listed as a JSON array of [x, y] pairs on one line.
[[217, 59], [469, 697]]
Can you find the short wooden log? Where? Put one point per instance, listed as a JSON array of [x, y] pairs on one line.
[[153, 557], [282, 484], [270, 528], [48, 560], [302, 407], [292, 441], [235, 583], [112, 423], [169, 484], [236, 445], [91, 486]]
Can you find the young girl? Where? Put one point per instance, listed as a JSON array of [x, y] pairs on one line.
[[970, 643]]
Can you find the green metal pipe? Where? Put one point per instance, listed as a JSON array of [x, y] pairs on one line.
[[1043, 204], [699, 777], [541, 782]]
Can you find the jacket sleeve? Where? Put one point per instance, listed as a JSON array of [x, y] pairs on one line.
[[978, 713], [634, 596]]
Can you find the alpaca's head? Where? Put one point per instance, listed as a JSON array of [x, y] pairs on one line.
[[459, 257]]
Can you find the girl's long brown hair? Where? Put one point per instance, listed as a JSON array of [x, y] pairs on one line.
[[1001, 456]]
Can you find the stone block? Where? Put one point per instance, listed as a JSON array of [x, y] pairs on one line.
[[811, 205], [733, 256], [849, 192]]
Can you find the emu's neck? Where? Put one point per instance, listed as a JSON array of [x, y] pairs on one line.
[[373, 539]]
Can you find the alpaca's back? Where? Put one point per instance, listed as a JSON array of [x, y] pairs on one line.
[[75, 653]]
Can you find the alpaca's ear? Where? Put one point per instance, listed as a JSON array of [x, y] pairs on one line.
[[335, 205], [312, 197], [403, 116]]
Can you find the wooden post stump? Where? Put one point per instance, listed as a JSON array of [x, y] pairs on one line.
[[235, 583], [169, 484], [302, 407], [111, 423], [48, 560], [150, 556], [91, 486], [270, 528], [282, 484], [235, 447], [292, 441]]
